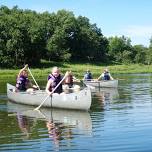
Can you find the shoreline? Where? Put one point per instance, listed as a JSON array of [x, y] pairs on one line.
[[79, 69]]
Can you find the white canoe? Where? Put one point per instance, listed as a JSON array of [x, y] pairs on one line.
[[75, 118], [103, 83], [77, 100]]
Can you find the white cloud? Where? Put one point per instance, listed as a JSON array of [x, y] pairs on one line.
[[139, 34], [141, 31]]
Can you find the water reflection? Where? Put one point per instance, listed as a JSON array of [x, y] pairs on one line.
[[54, 131], [105, 94], [59, 125], [23, 124]]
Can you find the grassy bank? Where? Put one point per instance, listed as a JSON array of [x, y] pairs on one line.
[[78, 69]]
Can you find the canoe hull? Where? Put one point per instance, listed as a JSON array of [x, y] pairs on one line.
[[100, 84], [78, 100]]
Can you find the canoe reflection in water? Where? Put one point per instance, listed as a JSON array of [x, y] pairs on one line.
[[106, 94], [61, 124]]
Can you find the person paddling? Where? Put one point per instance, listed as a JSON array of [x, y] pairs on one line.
[[22, 81], [105, 75], [69, 83], [69, 80], [87, 76], [53, 80]]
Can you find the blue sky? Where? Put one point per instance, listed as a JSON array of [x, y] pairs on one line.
[[132, 18]]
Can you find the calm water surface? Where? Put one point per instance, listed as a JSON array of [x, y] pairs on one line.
[[120, 120]]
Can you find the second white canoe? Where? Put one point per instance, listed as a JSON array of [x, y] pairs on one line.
[[103, 83]]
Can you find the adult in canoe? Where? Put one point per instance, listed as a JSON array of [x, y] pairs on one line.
[[22, 81], [105, 75]]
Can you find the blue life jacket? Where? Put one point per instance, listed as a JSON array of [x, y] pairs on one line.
[[106, 76], [49, 76], [88, 76], [55, 81], [21, 83]]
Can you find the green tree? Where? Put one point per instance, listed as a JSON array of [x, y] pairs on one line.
[[21, 37], [120, 49], [148, 59], [88, 42], [140, 54], [58, 43]]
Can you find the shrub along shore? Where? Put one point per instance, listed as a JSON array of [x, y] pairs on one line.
[[78, 69]]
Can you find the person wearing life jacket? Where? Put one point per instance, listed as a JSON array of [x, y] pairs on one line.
[[105, 75], [69, 80], [22, 81], [53, 79], [88, 76], [69, 83]]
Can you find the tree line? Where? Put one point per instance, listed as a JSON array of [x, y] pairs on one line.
[[27, 36]]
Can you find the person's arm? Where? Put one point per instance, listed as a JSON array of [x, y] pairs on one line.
[[111, 78], [84, 77], [101, 76], [20, 72], [75, 79], [48, 86], [66, 76], [29, 84]]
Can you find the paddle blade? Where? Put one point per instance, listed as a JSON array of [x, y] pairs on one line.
[[36, 109], [91, 87]]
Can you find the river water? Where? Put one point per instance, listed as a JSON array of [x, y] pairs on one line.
[[120, 120]]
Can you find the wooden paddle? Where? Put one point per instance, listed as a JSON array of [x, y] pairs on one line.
[[50, 93], [89, 86], [33, 78], [120, 79]]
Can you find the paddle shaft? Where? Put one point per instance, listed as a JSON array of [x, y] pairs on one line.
[[89, 86], [33, 78], [120, 79], [50, 93]]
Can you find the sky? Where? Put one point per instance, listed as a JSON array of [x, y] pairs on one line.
[[131, 18]]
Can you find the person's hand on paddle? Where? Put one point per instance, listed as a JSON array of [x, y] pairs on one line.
[[50, 93], [26, 66], [67, 73], [75, 79], [35, 87]]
